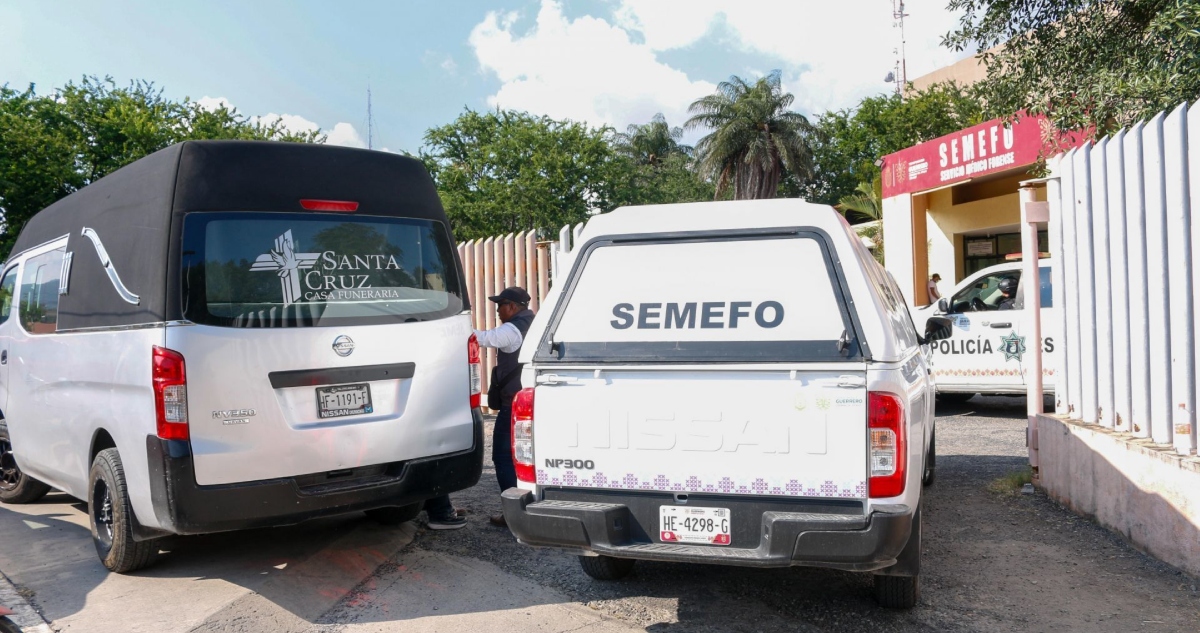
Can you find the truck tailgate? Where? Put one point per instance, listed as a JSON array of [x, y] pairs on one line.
[[740, 432]]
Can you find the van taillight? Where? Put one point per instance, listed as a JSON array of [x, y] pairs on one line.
[[474, 365], [522, 435], [888, 444], [170, 394]]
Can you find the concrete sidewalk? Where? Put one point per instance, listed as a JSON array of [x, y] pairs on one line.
[[25, 616]]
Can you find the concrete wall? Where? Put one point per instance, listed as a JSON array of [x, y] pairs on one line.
[[1147, 493], [898, 244]]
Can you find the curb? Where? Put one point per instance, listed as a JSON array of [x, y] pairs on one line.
[[24, 615]]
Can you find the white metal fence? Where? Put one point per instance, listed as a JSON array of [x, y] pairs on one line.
[[1123, 235]]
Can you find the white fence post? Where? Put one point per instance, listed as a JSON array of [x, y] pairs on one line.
[[1118, 276], [1193, 149], [1157, 281], [1054, 233], [1179, 257], [1105, 402], [1085, 274], [1070, 264], [1139, 293]]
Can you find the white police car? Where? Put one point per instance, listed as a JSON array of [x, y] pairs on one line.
[[730, 383], [989, 349]]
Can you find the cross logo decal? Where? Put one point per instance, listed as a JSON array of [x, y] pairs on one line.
[[287, 263]]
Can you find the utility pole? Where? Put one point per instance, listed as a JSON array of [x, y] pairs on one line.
[[898, 15]]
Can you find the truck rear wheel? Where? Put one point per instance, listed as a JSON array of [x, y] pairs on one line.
[[15, 485], [395, 515], [897, 592], [112, 517], [606, 567], [930, 473]]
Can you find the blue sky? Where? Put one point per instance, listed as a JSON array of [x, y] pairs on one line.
[[610, 62]]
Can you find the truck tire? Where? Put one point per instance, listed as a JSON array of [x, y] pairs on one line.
[[16, 486], [112, 517], [930, 473], [954, 398], [606, 567], [395, 515], [8, 626]]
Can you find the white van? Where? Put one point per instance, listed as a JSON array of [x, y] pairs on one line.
[[226, 335], [733, 383], [989, 349]]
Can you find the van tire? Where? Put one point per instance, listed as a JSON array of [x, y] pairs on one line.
[[395, 515], [109, 510], [897, 592], [606, 567], [16, 486], [930, 473]]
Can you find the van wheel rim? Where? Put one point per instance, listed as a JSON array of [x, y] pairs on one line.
[[102, 512], [10, 473]]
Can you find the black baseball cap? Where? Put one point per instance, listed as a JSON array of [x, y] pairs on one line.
[[514, 295]]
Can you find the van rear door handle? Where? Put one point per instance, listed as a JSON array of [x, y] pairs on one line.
[[1002, 325], [4, 357]]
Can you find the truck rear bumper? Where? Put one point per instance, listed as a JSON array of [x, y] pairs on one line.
[[838, 541], [181, 506]]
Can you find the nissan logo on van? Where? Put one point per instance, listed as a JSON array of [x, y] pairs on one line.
[[343, 345]]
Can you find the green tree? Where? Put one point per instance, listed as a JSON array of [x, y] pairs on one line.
[[866, 202], [1087, 64], [54, 144], [506, 171], [755, 139], [847, 142], [653, 142]]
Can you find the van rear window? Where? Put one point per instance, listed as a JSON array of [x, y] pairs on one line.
[[295, 270], [774, 299]]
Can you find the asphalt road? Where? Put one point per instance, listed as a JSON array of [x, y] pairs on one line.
[[992, 562]]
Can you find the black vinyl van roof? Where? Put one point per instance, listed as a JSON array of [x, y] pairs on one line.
[[137, 211]]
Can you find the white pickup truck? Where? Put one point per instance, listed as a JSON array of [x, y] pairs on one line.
[[731, 383]]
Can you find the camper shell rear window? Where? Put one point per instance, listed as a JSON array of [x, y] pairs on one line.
[[724, 297], [314, 269]]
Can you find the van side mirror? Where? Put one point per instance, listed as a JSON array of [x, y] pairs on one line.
[[937, 329], [944, 305]]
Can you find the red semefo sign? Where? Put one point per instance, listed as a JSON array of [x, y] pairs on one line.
[[977, 151]]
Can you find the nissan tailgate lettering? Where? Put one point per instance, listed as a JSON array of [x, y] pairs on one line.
[[706, 432]]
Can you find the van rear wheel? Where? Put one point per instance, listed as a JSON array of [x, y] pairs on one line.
[[606, 567], [15, 485], [395, 515], [112, 517]]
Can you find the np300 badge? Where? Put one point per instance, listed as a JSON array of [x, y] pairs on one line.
[[343, 345]]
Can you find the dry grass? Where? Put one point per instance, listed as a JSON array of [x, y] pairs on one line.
[[1012, 483]]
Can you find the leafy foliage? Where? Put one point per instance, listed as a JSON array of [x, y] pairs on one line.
[[53, 144], [755, 139], [865, 202], [848, 142], [1086, 64]]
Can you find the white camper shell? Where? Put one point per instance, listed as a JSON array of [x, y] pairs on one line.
[[226, 335], [727, 382]]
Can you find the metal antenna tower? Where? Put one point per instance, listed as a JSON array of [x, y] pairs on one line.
[[370, 120], [898, 15]]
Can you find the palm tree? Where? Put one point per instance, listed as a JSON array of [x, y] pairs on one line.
[[754, 138], [867, 200], [649, 144]]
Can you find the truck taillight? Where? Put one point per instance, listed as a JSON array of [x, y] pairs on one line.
[[522, 435], [475, 369], [170, 394], [888, 455]]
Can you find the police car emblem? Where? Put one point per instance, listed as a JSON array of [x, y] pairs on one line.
[[343, 345], [1013, 347]]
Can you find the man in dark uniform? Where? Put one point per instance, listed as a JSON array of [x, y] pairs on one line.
[[1008, 288], [512, 306]]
